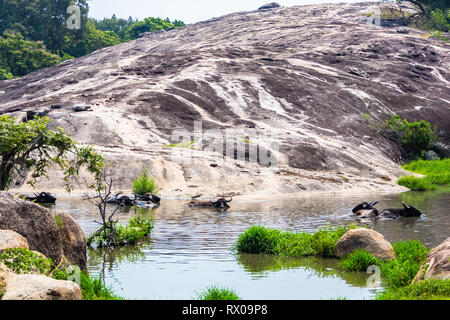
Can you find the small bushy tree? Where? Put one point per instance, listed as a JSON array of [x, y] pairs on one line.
[[143, 184]]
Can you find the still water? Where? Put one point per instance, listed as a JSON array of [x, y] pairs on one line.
[[191, 248]]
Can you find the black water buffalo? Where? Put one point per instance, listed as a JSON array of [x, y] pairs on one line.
[[368, 211], [148, 197], [406, 212], [364, 206], [220, 203], [123, 201], [41, 198]]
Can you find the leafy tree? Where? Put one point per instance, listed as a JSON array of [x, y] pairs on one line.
[[117, 25], [42, 20], [19, 56], [5, 75], [425, 7], [149, 25], [33, 146], [92, 40]]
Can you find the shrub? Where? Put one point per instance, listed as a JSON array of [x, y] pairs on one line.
[[143, 184], [217, 293], [415, 137], [130, 234], [360, 261]]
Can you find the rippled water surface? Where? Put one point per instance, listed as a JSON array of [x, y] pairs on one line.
[[191, 248]]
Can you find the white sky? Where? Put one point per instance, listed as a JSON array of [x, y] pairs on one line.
[[189, 11]]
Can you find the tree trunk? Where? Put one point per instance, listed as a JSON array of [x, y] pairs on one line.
[[6, 169]]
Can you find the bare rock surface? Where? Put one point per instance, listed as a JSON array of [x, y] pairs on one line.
[[12, 240], [295, 81], [437, 265], [37, 224], [365, 239], [38, 287]]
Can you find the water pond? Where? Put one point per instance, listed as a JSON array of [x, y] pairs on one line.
[[191, 248]]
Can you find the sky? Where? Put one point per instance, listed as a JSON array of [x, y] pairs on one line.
[[190, 11]]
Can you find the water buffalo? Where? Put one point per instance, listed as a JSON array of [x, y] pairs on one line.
[[406, 212], [364, 206], [123, 201], [42, 198], [148, 197], [220, 203], [368, 211]]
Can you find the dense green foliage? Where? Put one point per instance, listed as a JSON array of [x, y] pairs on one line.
[[129, 29], [34, 34], [22, 260], [432, 289], [218, 293], [33, 146], [42, 20], [19, 56], [137, 228], [92, 40], [143, 184], [259, 239], [415, 137], [437, 174], [359, 261]]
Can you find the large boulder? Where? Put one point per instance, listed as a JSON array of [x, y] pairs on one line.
[[73, 239], [12, 240], [59, 241], [39, 287], [366, 239], [437, 265], [268, 6]]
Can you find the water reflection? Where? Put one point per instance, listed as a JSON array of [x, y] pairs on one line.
[[261, 265], [191, 248]]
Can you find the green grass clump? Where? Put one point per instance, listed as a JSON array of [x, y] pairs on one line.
[[91, 288], [217, 293], [137, 228], [359, 261], [22, 260], [400, 272], [437, 174], [143, 184], [260, 239], [432, 289]]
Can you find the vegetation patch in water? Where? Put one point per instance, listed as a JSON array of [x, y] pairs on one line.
[[218, 293], [436, 172], [130, 234], [259, 239]]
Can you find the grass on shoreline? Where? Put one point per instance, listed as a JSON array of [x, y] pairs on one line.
[[26, 261], [436, 172]]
